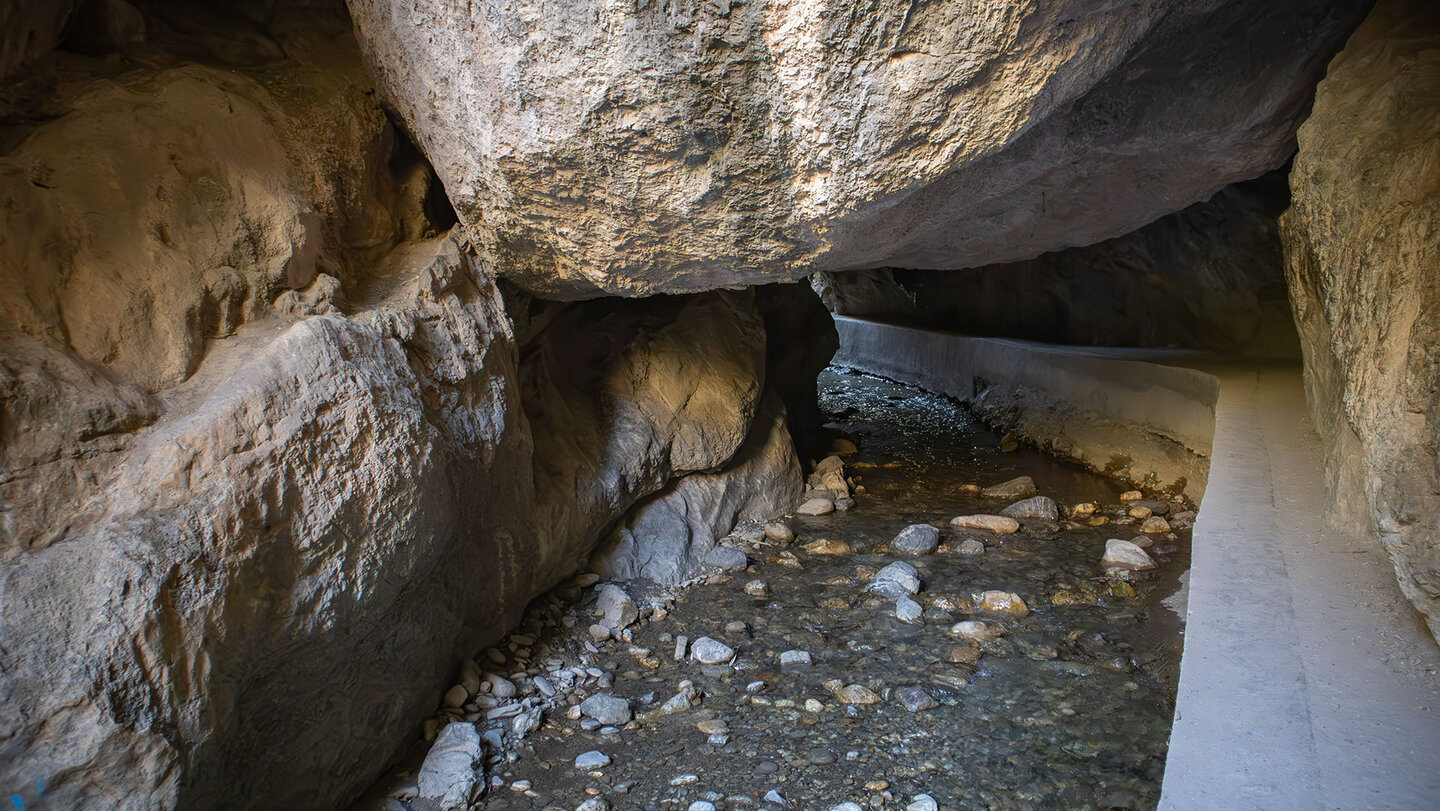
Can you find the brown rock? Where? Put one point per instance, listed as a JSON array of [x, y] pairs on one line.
[[998, 524]]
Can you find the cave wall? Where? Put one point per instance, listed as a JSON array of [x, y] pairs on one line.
[[1209, 277], [277, 452], [594, 147], [1363, 262]]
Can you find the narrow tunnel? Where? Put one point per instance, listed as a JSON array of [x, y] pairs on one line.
[[925, 405]]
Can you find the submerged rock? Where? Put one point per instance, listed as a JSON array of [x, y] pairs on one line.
[[1018, 487], [1034, 507], [916, 539], [998, 524]]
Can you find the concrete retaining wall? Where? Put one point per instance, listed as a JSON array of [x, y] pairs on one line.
[[1148, 423]]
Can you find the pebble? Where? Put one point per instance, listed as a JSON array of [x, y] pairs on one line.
[[970, 546], [701, 805], [758, 589], [962, 654], [826, 546], [1035, 507], [1018, 487], [544, 686], [599, 633], [773, 796], [916, 699], [501, 687], [998, 524], [907, 610], [592, 760], [795, 657], [1083, 509], [1155, 524], [1121, 554], [455, 696], [818, 505], [973, 629], [916, 539], [1137, 511], [606, 709], [448, 772], [813, 705], [593, 804], [848, 807], [897, 580], [1002, 602], [852, 693], [923, 802], [682, 645], [1131, 495], [778, 532], [709, 651]]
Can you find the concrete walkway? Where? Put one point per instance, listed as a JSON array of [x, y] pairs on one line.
[[1307, 680]]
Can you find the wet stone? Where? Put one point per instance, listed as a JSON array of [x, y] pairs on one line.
[[1018, 487], [916, 699], [592, 760], [1120, 554], [970, 546], [916, 539], [819, 505], [1083, 682], [998, 524], [1036, 507]]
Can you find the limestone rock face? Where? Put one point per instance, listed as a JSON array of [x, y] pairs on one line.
[[631, 148], [1362, 244], [1209, 277], [234, 570], [666, 538]]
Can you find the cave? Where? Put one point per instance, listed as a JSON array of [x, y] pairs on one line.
[[718, 405]]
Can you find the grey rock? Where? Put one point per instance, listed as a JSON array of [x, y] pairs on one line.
[[794, 658], [1018, 487], [617, 607], [916, 539], [1034, 507], [726, 558], [448, 772], [916, 699], [594, 804], [899, 579], [708, 651], [607, 709], [501, 687], [923, 802], [1121, 554], [594, 759], [907, 610], [970, 546]]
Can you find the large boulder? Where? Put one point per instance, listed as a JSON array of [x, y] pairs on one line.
[[595, 147], [1362, 245]]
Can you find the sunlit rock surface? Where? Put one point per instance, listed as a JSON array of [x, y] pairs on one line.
[[1363, 260], [639, 147]]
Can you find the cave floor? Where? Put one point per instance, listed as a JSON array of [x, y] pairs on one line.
[[1071, 707]]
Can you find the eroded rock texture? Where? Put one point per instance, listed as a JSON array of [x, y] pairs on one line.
[[1363, 261], [1208, 277], [630, 148], [271, 462]]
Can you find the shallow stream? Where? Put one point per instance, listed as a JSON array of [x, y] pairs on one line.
[[1069, 708]]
